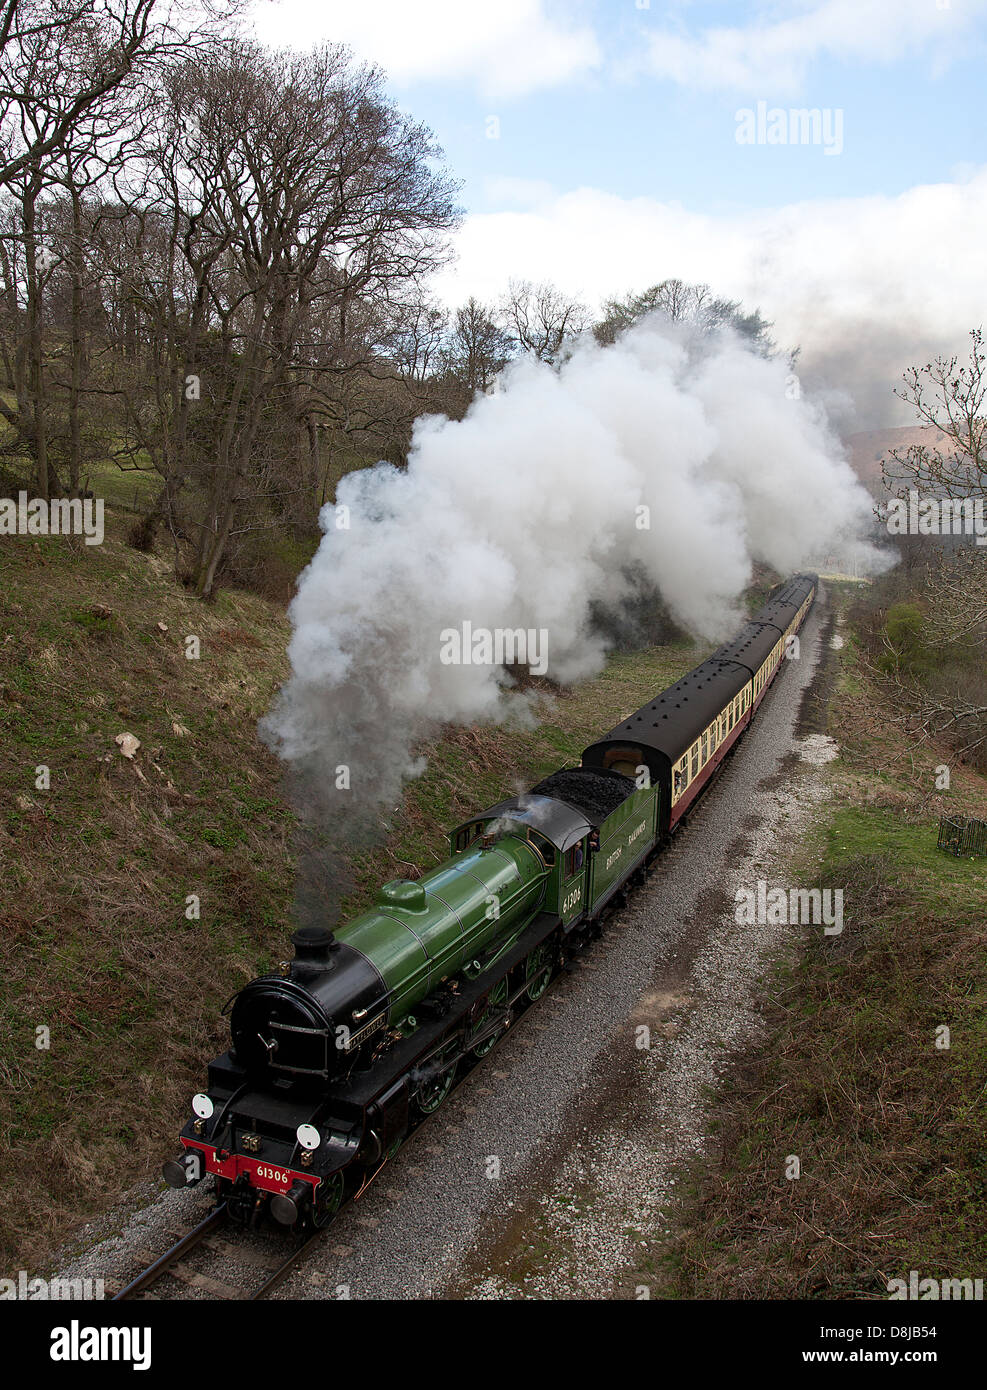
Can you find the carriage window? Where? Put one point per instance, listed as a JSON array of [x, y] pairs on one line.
[[695, 760]]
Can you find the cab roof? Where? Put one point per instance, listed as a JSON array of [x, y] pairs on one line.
[[560, 824]]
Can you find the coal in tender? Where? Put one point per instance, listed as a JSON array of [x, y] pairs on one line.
[[595, 794]]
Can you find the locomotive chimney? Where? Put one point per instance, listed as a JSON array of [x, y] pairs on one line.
[[313, 947]]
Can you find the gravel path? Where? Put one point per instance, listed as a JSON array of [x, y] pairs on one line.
[[550, 1170]]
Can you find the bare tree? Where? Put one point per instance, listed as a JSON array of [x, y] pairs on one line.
[[60, 59], [951, 399], [70, 75], [414, 338], [293, 195], [956, 597], [953, 713], [212, 260], [694, 305], [476, 350], [542, 319]]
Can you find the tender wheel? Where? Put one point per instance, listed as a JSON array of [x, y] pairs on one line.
[[330, 1200], [433, 1091], [495, 1000], [538, 972]]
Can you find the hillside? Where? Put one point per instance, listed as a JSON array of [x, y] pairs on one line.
[[854, 1077], [867, 449], [97, 871]]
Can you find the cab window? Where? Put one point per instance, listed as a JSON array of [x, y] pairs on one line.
[[543, 847]]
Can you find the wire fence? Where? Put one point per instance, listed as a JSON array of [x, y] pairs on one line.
[[962, 835]]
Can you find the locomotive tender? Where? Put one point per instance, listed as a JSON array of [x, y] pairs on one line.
[[336, 1058]]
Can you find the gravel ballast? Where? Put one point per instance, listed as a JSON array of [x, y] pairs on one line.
[[550, 1169]]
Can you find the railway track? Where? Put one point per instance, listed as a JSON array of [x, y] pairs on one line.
[[275, 1267], [172, 1263], [246, 1266]]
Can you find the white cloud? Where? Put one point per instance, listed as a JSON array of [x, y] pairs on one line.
[[771, 54], [867, 286], [504, 49]]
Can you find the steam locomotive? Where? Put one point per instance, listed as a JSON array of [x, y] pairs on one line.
[[337, 1057]]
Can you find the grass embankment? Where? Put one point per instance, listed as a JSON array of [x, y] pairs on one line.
[[95, 872], [889, 1128]]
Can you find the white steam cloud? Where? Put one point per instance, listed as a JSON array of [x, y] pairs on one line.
[[652, 458]]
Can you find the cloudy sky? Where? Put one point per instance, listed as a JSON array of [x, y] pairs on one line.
[[609, 144]]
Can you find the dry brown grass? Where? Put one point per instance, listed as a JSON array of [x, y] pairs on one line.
[[888, 1128], [95, 871], [94, 874]]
